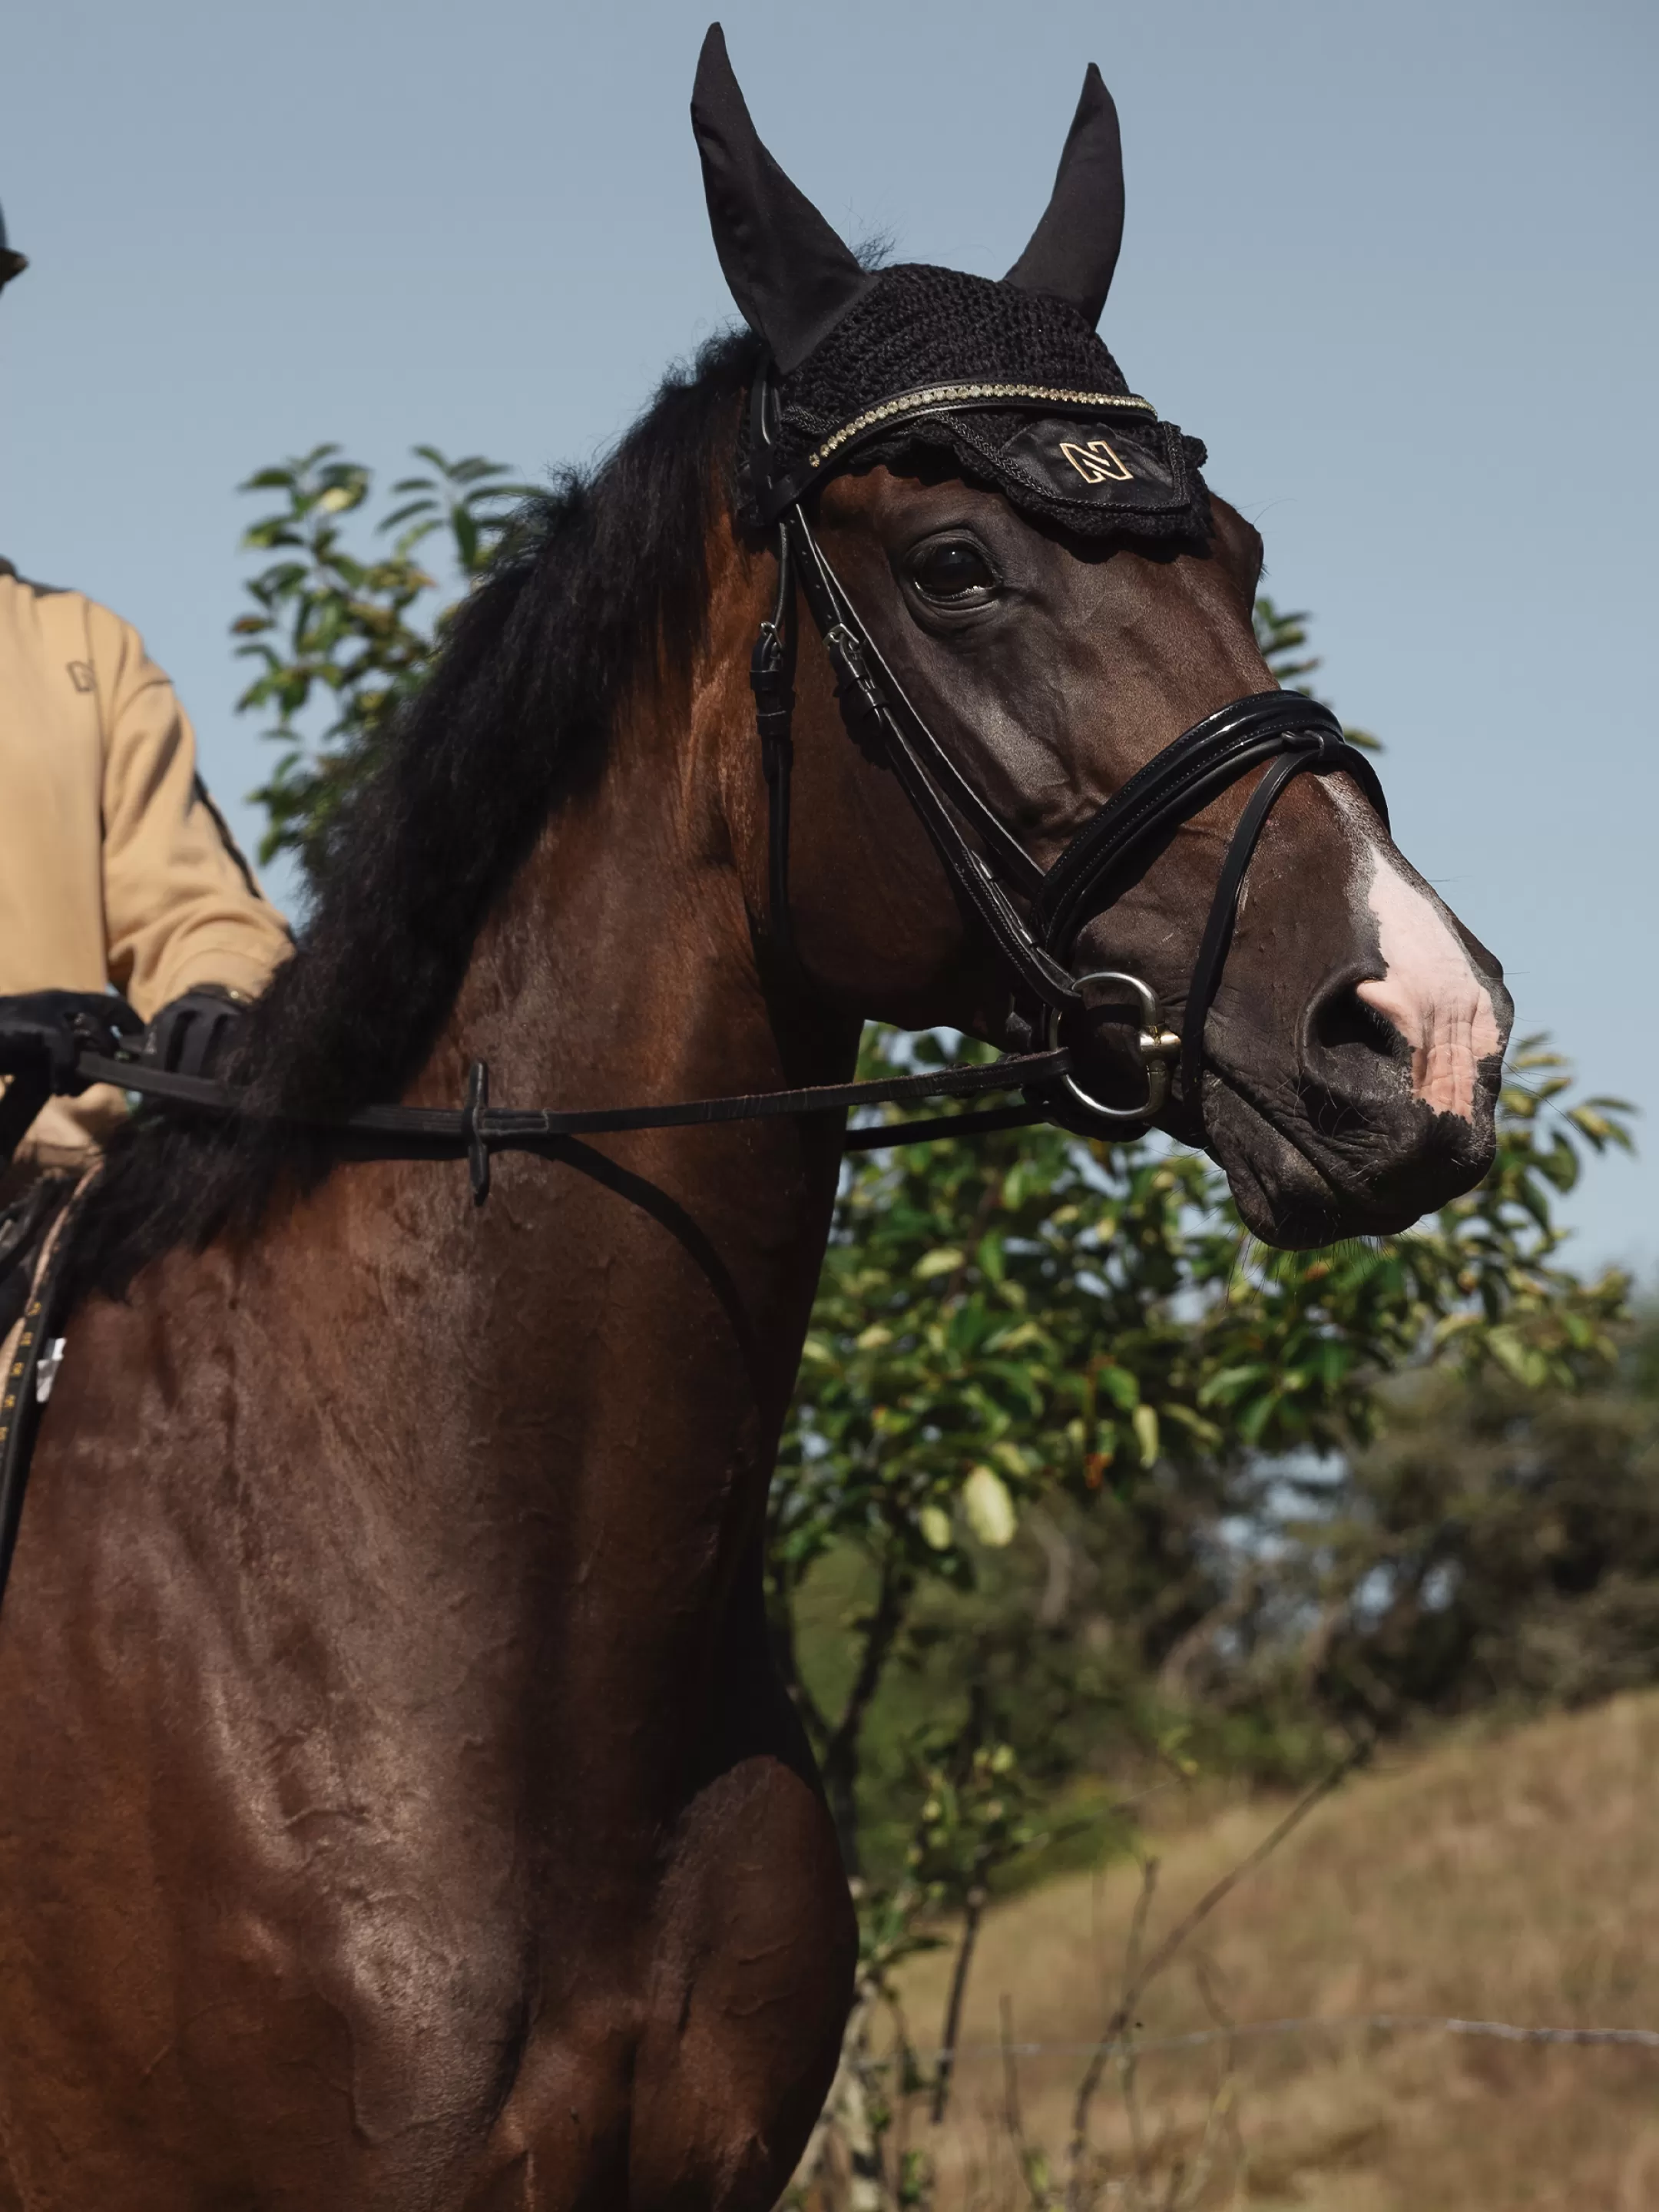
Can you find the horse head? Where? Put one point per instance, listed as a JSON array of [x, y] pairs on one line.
[[1046, 596]]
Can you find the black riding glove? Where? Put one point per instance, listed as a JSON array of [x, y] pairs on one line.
[[191, 1034], [41, 1032]]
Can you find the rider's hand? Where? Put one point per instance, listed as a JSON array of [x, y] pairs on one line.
[[190, 1034], [41, 1032]]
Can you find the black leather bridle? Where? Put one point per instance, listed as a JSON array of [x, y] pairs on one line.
[[1031, 915], [993, 873]]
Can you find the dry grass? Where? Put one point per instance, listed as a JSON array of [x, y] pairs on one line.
[[1514, 1878]]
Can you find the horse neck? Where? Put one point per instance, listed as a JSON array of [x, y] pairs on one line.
[[620, 970], [515, 1455]]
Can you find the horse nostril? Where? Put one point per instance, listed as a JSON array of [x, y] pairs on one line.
[[1341, 1021], [1355, 1064]]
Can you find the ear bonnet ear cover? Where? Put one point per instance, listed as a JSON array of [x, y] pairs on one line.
[[1097, 471], [788, 271], [1073, 250], [12, 263], [845, 340]]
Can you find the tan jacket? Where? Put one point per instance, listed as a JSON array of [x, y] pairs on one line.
[[114, 864]]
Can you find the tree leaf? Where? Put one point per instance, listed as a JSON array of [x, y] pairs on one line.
[[990, 1508]]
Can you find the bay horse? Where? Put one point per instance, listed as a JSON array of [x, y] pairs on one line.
[[398, 1807]]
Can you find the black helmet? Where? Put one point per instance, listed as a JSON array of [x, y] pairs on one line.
[[11, 264]]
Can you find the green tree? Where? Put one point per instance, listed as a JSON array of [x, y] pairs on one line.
[[342, 637], [1027, 1315], [1495, 1547]]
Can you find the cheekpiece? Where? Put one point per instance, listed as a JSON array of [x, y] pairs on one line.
[[1013, 388]]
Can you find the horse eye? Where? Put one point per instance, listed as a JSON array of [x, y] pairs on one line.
[[953, 570]]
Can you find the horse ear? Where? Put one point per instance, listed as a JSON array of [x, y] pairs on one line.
[[789, 273], [1073, 250]]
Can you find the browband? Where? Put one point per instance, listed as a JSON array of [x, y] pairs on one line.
[[934, 399]]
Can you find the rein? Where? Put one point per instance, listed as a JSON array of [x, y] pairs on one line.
[[477, 1130]]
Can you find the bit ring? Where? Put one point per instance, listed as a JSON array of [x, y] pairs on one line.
[[1159, 1047]]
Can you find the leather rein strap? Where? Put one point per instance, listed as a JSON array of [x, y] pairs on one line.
[[477, 1130]]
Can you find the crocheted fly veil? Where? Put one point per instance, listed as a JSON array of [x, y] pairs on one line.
[[1009, 380]]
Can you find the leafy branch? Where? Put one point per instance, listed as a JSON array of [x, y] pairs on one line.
[[341, 637]]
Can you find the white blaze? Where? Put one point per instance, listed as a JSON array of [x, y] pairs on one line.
[[1430, 992]]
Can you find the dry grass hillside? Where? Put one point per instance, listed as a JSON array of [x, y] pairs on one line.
[[1513, 1878]]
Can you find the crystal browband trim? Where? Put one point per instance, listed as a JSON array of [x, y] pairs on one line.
[[957, 395]]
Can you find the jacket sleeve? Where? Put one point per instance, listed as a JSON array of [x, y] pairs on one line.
[[181, 905]]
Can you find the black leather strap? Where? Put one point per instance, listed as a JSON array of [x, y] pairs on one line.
[[439, 1132], [880, 1135], [883, 721], [20, 1386], [1223, 909], [1178, 783], [1295, 734], [772, 679], [832, 608]]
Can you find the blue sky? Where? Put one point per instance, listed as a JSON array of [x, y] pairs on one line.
[[1396, 263]]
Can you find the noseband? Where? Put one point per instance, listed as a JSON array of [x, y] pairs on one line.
[[994, 874]]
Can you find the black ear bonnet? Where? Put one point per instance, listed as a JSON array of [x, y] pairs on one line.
[[1007, 380], [12, 263], [1015, 387]]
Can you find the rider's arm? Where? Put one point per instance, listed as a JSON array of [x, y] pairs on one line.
[[181, 907]]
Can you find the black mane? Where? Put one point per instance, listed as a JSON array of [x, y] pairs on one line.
[[607, 573]]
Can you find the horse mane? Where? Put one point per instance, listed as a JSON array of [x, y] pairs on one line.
[[604, 575]]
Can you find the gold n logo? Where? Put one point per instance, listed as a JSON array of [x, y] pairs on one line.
[[1096, 463]]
